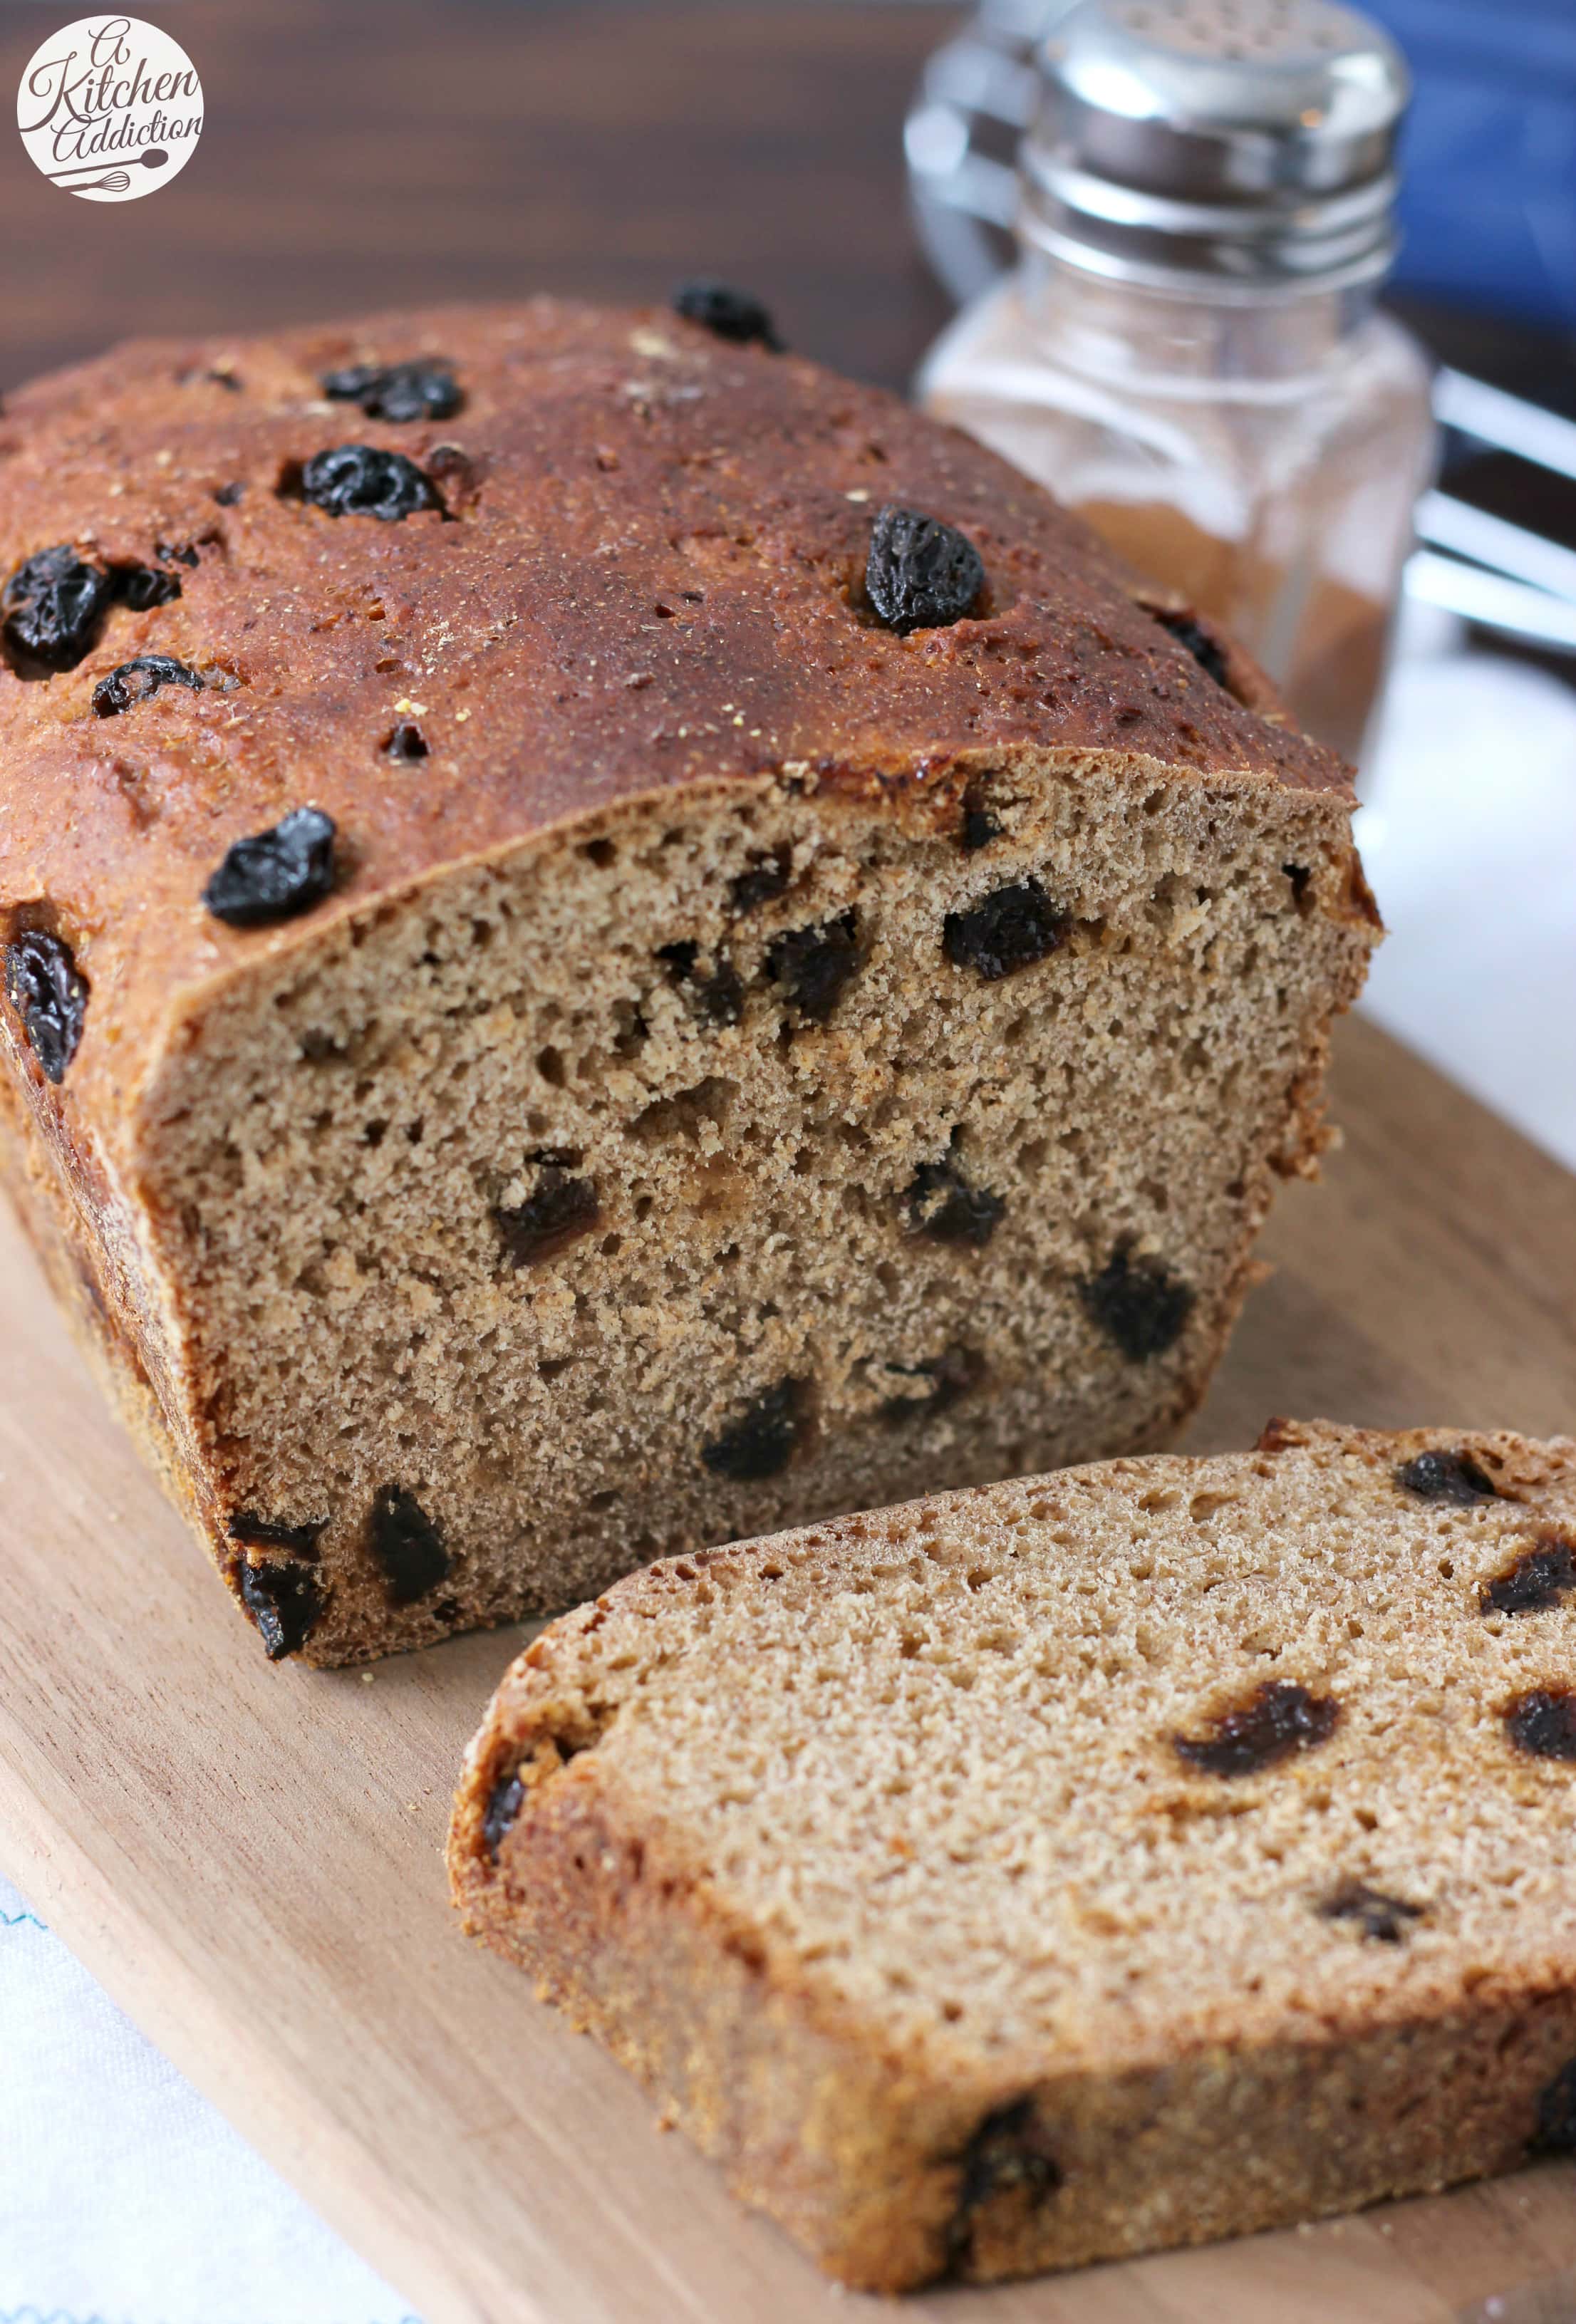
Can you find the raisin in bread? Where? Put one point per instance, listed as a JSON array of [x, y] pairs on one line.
[[1129, 1857], [611, 942]]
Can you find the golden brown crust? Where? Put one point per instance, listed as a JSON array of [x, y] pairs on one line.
[[648, 572], [898, 2160], [105, 1320], [646, 579]]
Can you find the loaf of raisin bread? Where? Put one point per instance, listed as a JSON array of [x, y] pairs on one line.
[[1129, 1857], [611, 942]]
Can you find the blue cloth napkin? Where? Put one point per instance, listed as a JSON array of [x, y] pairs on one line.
[[1489, 154]]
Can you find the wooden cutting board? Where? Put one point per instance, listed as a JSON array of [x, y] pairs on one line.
[[249, 1859]]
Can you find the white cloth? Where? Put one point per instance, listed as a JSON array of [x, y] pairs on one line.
[[125, 2199], [1469, 832]]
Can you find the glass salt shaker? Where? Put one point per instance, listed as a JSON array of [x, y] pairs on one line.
[[1188, 350]]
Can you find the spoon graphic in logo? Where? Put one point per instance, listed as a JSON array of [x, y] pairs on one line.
[[117, 181]]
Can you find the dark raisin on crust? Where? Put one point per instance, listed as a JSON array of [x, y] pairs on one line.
[[406, 744], [1004, 931], [1380, 1919], [137, 680], [229, 495], [813, 965], [737, 316], [1446, 1476], [761, 1443], [920, 574], [1556, 2130], [272, 875], [360, 480], [558, 1213], [143, 586], [503, 1804], [284, 1601], [1007, 2155], [956, 1373], [397, 391], [715, 993], [350, 383], [253, 1532], [50, 994], [1137, 1303], [407, 1545], [1542, 1722], [1189, 631], [944, 1207], [1538, 1579], [1278, 1720], [53, 604]]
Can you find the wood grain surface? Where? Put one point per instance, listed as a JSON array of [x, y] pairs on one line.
[[360, 154], [248, 1857]]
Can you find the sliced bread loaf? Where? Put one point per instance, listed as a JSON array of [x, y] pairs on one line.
[[1129, 1857], [654, 947]]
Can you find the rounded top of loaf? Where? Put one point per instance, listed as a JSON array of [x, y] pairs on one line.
[[646, 568]]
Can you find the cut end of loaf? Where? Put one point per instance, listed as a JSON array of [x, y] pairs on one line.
[[1135, 1856], [730, 1158], [656, 946]]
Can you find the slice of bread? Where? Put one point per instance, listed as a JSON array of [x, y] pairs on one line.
[[1129, 1857]]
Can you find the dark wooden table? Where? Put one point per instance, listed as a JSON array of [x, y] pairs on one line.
[[358, 155]]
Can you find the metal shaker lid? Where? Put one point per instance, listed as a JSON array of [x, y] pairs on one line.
[[1248, 140]]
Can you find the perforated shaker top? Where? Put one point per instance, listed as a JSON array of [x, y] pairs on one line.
[[1246, 31], [1258, 136]]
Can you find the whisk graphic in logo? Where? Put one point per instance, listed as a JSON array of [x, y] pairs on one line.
[[110, 108]]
